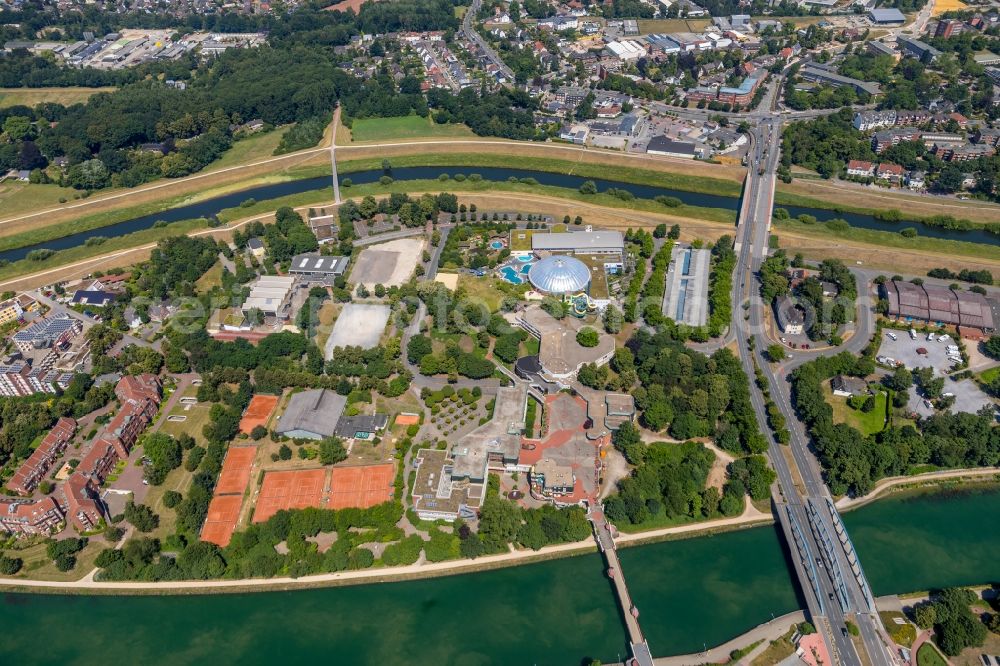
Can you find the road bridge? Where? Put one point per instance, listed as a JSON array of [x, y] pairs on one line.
[[641, 655], [825, 563]]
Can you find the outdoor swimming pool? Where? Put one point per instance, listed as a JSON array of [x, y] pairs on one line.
[[524, 258], [496, 245], [514, 274]]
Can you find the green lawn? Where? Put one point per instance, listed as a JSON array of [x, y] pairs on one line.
[[987, 376], [866, 424], [928, 655], [251, 149], [404, 127]]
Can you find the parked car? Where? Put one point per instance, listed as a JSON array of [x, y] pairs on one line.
[[892, 336]]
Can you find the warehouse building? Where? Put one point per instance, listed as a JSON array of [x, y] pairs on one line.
[[937, 304], [579, 242], [686, 297]]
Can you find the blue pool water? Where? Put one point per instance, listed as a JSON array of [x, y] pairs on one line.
[[497, 245], [524, 258], [510, 274], [516, 274]]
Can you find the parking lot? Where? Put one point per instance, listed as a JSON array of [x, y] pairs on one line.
[[968, 398], [904, 350]]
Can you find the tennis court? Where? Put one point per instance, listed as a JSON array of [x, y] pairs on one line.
[[223, 512], [294, 489], [258, 412], [235, 473], [407, 418], [361, 487]]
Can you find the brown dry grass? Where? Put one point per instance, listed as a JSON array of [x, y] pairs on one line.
[[910, 262], [852, 195], [516, 149]]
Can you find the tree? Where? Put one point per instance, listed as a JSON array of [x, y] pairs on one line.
[[992, 347], [613, 319], [499, 522], [628, 441], [587, 337], [141, 517], [285, 453], [259, 432], [171, 498], [775, 353], [332, 451], [10, 565], [675, 232], [660, 231]]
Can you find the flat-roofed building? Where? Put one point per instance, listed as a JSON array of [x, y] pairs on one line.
[[436, 496], [49, 332], [579, 242], [887, 16], [820, 73], [619, 409], [318, 267], [495, 444], [270, 295], [552, 478], [686, 295]]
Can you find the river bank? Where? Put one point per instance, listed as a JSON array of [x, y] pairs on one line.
[[692, 593]]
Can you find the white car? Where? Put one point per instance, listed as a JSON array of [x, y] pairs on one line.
[[913, 334], [947, 395], [944, 338], [892, 336], [930, 337]]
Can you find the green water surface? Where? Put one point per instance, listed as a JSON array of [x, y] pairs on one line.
[[690, 593]]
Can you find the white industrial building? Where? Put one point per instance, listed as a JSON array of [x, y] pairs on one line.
[[270, 295]]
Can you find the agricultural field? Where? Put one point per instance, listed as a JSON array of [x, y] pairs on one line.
[[34, 96]]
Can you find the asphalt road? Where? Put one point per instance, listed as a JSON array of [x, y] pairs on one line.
[[823, 572]]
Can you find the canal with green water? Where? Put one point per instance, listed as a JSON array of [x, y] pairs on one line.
[[690, 592]]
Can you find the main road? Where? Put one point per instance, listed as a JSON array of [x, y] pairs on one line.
[[822, 555]]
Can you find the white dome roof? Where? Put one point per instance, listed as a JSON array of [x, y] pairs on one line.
[[559, 275]]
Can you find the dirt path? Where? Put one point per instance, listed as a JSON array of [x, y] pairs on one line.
[[847, 503], [766, 632]]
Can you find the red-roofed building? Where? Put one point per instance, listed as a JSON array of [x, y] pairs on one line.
[[889, 171], [860, 168], [82, 505], [785, 53], [27, 518], [33, 470]]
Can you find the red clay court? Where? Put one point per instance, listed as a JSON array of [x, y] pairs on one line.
[[235, 473], [295, 489], [361, 487], [407, 418], [258, 412], [223, 512]]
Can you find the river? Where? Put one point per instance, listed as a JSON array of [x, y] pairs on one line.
[[213, 206], [690, 593]]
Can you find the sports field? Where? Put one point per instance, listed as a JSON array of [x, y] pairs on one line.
[[404, 127], [223, 512], [235, 473], [258, 412], [34, 96], [294, 489], [361, 487]]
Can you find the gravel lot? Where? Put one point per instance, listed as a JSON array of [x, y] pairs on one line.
[[359, 325]]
